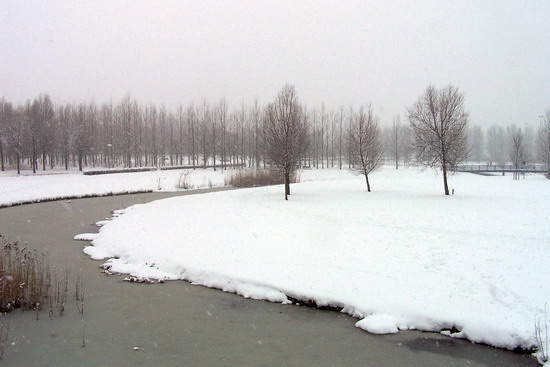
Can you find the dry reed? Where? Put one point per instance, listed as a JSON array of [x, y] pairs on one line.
[[255, 177]]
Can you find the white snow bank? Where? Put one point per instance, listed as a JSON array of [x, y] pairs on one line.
[[402, 257], [59, 184], [27, 189]]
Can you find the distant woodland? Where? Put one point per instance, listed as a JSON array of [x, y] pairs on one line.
[[41, 135]]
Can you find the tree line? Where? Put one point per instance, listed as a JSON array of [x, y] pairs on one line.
[[40, 135]]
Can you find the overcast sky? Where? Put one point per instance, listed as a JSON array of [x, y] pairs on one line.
[[337, 53]]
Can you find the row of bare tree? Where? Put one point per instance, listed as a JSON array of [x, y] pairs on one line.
[[495, 145], [438, 125], [39, 134]]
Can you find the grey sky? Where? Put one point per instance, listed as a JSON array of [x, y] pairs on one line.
[[384, 52]]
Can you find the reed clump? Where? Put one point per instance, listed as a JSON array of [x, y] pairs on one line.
[[27, 281], [255, 177], [25, 277]]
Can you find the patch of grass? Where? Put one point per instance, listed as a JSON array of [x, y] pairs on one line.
[[255, 177]]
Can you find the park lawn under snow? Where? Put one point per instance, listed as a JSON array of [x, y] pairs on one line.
[[60, 184], [21, 189], [401, 257]]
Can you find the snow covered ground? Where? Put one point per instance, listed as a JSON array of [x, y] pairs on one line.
[[31, 188], [473, 265], [60, 184]]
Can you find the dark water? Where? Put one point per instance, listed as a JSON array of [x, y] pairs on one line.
[[178, 324]]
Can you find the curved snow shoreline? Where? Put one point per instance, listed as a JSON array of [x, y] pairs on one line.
[[70, 197], [20, 190], [393, 277]]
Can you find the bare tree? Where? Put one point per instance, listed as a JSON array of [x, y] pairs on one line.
[[495, 144], [223, 127], [517, 153], [396, 138], [204, 126], [285, 133], [255, 117], [544, 141], [477, 143], [350, 122], [366, 145], [12, 131], [192, 126], [80, 136], [41, 116], [439, 124], [340, 120], [407, 149], [6, 115], [529, 141]]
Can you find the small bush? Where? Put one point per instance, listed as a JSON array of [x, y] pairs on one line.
[[254, 177]]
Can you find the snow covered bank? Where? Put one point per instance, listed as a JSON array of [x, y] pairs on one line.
[[27, 189], [53, 185], [402, 257]]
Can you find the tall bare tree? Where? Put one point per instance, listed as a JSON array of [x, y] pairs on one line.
[[80, 136], [340, 121], [439, 127], [517, 153], [366, 145], [495, 144], [477, 143], [16, 131], [544, 141], [41, 116], [255, 120], [396, 138], [285, 133], [6, 115]]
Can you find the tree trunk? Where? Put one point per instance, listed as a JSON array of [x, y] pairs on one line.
[[2, 154], [368, 183], [396, 158], [445, 178], [287, 184], [18, 166], [33, 156]]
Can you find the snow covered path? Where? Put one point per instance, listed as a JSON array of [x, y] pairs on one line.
[[401, 257]]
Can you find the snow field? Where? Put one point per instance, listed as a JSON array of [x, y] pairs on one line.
[[402, 257], [60, 184], [28, 189]]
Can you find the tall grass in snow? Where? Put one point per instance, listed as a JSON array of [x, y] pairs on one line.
[[254, 177]]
